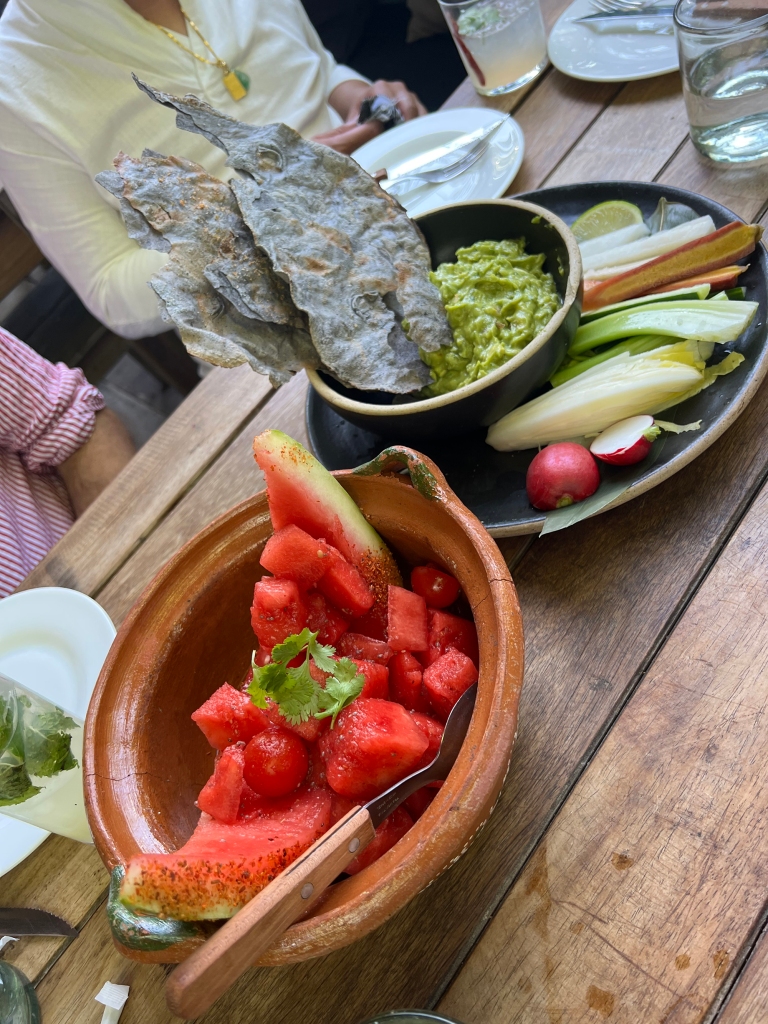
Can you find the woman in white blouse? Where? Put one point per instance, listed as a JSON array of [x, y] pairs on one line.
[[68, 105]]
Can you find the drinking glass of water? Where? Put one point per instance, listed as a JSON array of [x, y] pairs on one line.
[[723, 48], [501, 42]]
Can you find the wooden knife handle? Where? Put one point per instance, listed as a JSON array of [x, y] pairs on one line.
[[199, 981]]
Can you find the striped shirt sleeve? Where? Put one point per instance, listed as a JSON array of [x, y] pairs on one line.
[[47, 411]]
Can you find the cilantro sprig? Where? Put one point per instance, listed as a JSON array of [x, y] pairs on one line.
[[296, 693]]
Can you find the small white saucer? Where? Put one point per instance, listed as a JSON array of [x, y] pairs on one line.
[[489, 178], [54, 641], [615, 51]]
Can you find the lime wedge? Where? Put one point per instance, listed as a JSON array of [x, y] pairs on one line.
[[605, 217]]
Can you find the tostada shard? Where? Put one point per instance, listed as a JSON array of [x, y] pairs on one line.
[[217, 288], [356, 265]]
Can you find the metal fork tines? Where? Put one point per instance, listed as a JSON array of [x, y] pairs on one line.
[[412, 181], [625, 6]]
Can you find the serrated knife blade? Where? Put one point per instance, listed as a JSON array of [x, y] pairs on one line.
[[18, 921]]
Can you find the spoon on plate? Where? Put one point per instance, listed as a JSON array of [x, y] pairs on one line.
[[199, 981]]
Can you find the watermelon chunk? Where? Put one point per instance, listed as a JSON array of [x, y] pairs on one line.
[[278, 610], [309, 730], [292, 554], [376, 679], [389, 832], [221, 867], [324, 619], [446, 631], [406, 620], [405, 682], [220, 796], [373, 745], [433, 730], [355, 645], [302, 492], [447, 678], [229, 715], [342, 584]]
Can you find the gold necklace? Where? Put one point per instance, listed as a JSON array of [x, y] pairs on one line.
[[237, 82]]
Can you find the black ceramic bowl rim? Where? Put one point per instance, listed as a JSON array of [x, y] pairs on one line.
[[426, 404]]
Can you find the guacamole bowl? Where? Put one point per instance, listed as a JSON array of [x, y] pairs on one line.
[[482, 402]]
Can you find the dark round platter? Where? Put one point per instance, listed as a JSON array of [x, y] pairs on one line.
[[491, 483]]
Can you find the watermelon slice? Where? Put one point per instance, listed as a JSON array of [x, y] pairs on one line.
[[278, 610], [376, 679], [229, 715], [407, 620], [294, 555], [221, 867], [405, 682], [220, 796], [345, 586], [324, 619], [303, 493], [447, 678], [446, 631], [355, 645], [374, 744]]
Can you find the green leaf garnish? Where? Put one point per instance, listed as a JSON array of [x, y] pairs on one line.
[[293, 689]]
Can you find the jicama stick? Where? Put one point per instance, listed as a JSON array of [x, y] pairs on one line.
[[652, 246]]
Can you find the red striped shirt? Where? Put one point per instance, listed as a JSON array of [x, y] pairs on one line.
[[47, 412]]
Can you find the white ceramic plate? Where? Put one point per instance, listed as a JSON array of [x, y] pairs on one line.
[[489, 178], [617, 51], [53, 641]]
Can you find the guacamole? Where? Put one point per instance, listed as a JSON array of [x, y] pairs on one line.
[[497, 299]]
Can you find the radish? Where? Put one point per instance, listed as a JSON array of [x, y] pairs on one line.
[[560, 475], [627, 441]]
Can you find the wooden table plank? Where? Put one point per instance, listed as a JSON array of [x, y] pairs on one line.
[[64, 877], [636, 136], [748, 999], [153, 481], [640, 897], [745, 191]]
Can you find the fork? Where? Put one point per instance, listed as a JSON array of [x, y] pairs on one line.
[[412, 181], [631, 7]]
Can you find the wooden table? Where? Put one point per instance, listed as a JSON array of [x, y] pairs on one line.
[[623, 874]]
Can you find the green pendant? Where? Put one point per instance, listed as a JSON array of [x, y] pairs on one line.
[[244, 79]]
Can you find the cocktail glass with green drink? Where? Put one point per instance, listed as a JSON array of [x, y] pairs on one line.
[[41, 750], [501, 42]]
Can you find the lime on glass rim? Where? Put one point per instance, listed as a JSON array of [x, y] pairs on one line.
[[608, 216]]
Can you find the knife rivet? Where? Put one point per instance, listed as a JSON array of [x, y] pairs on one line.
[[354, 846], [307, 891]]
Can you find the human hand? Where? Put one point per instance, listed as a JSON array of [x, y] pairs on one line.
[[347, 98]]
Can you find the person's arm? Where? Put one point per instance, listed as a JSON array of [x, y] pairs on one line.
[[82, 236], [88, 471], [347, 99], [52, 418]]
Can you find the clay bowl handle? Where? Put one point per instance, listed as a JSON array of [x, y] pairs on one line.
[[425, 476], [199, 981]]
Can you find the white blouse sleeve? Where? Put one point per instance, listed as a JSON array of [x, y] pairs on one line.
[[82, 236]]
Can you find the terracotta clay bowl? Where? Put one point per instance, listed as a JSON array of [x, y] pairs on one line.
[[145, 761], [486, 400]]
